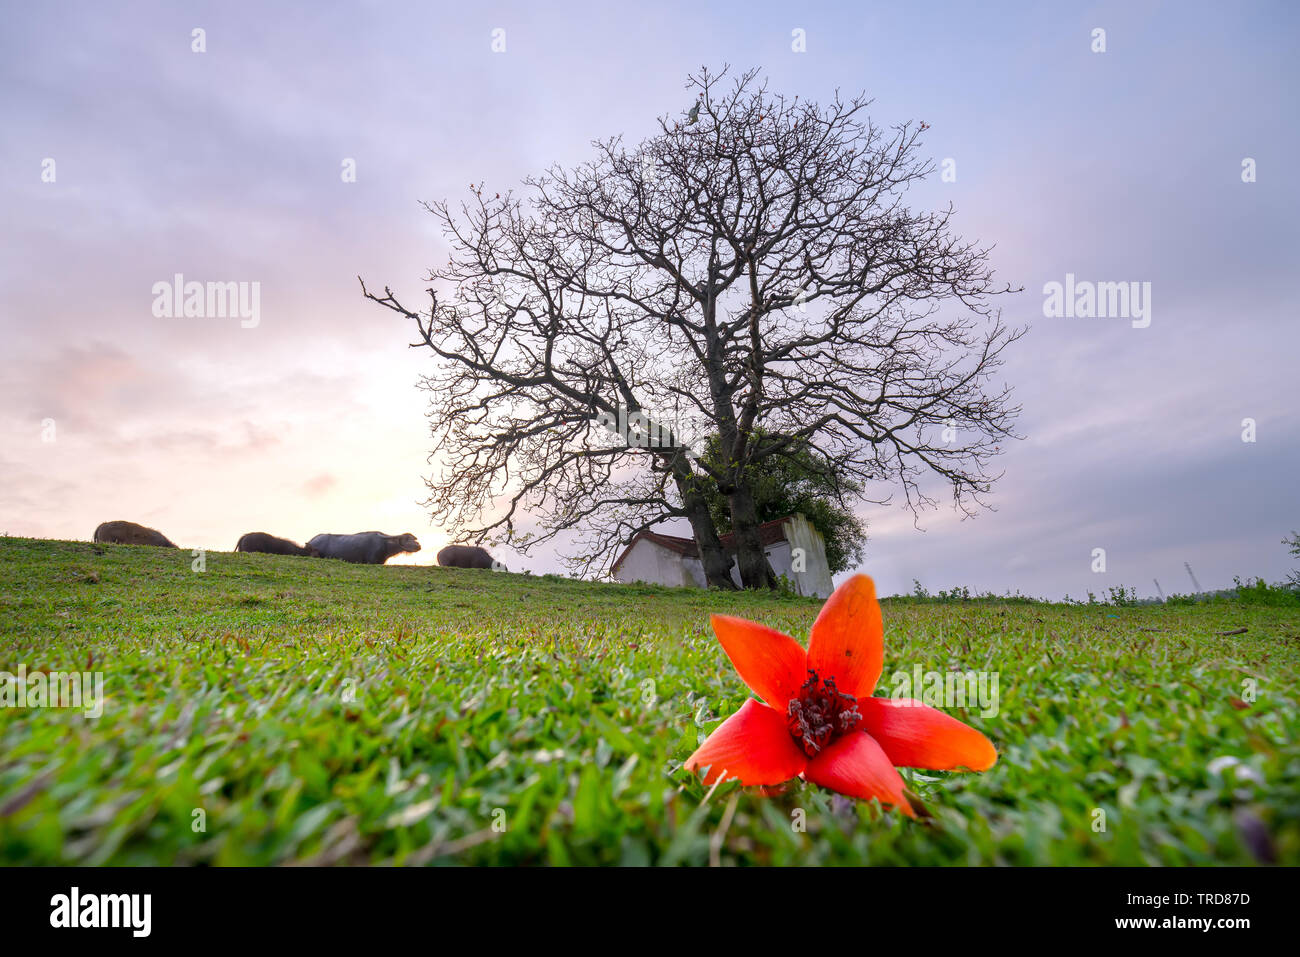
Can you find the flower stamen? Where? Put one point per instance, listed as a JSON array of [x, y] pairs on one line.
[[820, 714]]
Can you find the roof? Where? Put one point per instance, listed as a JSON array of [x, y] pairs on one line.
[[769, 533]]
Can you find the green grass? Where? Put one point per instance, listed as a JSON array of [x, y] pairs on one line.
[[561, 711]]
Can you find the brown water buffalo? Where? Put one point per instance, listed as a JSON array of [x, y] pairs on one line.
[[363, 548], [129, 533], [465, 556], [270, 545]]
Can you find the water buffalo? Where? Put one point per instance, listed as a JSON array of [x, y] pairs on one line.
[[465, 556], [270, 545], [364, 548], [129, 533]]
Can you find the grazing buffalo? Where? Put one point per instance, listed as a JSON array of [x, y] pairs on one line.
[[129, 533], [364, 548], [465, 556], [270, 545]]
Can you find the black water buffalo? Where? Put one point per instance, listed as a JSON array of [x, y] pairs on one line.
[[465, 556], [129, 533], [270, 545], [364, 548]]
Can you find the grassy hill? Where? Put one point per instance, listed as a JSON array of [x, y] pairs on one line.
[[271, 710]]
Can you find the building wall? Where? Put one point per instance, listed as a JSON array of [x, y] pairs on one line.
[[695, 572], [815, 579], [652, 563], [778, 556], [656, 565]]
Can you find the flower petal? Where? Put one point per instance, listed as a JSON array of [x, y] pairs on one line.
[[753, 745], [772, 664], [856, 765], [848, 638], [914, 735]]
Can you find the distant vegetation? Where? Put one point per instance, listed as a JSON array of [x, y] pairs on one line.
[[1257, 592]]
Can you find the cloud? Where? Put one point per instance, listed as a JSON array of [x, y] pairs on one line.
[[318, 485]]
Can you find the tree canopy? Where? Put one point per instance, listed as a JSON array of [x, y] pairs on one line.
[[801, 482]]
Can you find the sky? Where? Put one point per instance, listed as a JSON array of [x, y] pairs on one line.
[[129, 157]]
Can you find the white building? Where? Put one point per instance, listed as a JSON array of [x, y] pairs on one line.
[[793, 547]]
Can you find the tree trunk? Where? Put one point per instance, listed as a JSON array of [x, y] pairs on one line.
[[717, 565], [755, 572]]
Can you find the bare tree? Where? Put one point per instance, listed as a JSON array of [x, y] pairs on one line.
[[752, 267], [541, 404]]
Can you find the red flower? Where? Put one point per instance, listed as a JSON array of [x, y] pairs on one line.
[[819, 719]]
